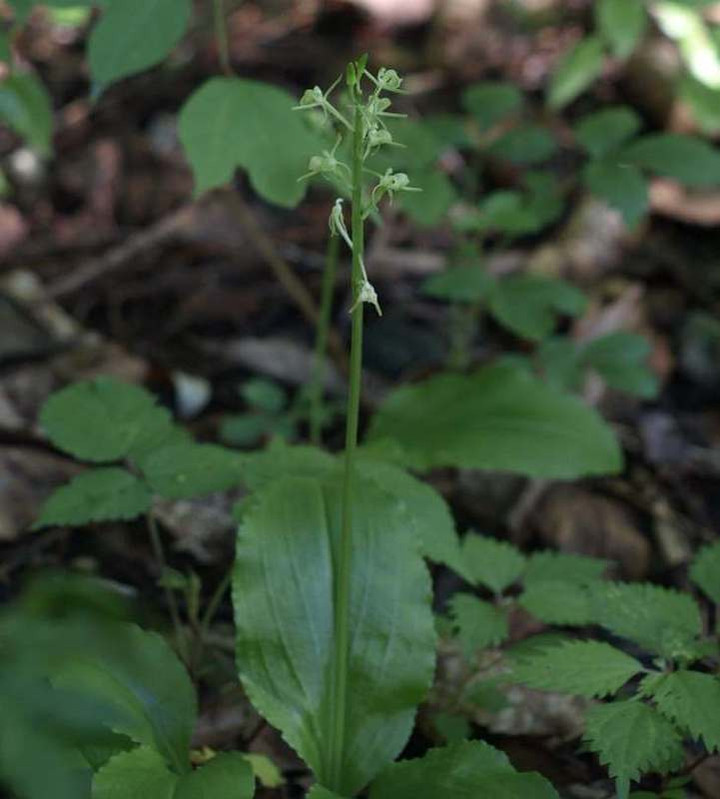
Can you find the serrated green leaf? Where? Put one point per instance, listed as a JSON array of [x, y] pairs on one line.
[[459, 284], [602, 131], [528, 304], [226, 776], [692, 700], [621, 358], [134, 35], [99, 420], [491, 101], [688, 160], [492, 563], [631, 739], [705, 571], [465, 770], [577, 70], [525, 144], [141, 772], [284, 611], [139, 676], [99, 495], [558, 602], [622, 186], [585, 668], [25, 106], [497, 418], [658, 619], [478, 624], [428, 206], [230, 123], [182, 471], [621, 23], [564, 567]]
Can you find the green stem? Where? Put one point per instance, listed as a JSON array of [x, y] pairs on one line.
[[344, 560], [221, 36], [321, 340], [170, 598]]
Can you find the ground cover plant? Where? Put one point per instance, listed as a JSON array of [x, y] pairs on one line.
[[331, 624]]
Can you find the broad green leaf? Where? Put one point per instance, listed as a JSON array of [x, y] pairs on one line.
[[231, 122], [467, 284], [449, 129], [506, 212], [284, 613], [559, 362], [690, 161], [139, 676], [191, 470], [492, 563], [563, 566], [265, 770], [130, 775], [478, 624], [529, 304], [525, 144], [622, 186], [621, 23], [264, 395], [318, 792], [498, 418], [557, 601], [101, 419], [705, 571], [280, 460], [98, 495], [631, 739], [5, 51], [420, 149], [602, 131], [580, 67], [225, 776], [544, 199], [452, 728], [621, 360], [25, 107], [704, 102], [134, 35], [585, 668], [466, 770], [658, 619], [491, 101], [429, 205], [692, 700]]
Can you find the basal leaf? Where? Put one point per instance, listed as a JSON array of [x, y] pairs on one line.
[[528, 304], [478, 624], [225, 776], [232, 122], [492, 563], [621, 359], [580, 67], [190, 470], [140, 772], [25, 107], [585, 668], [459, 284], [491, 101], [602, 131], [465, 770], [622, 186], [101, 419], [133, 35], [564, 567], [98, 495], [284, 612], [692, 700], [691, 161], [621, 23], [498, 418], [631, 739], [660, 620], [705, 571], [138, 675]]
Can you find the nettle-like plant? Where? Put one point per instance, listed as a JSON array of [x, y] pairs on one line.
[[664, 696]]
